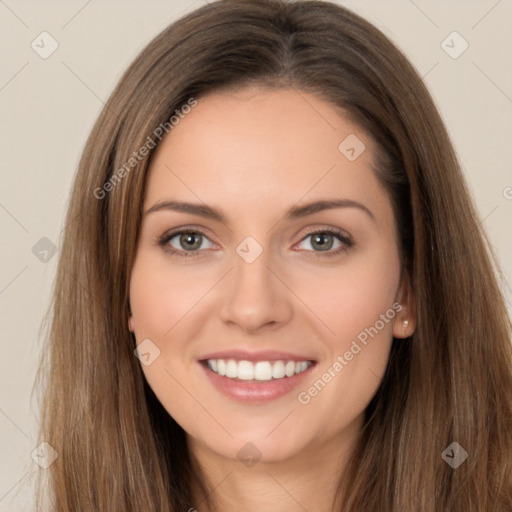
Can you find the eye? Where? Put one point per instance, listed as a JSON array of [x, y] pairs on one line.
[[187, 241], [190, 242], [322, 242]]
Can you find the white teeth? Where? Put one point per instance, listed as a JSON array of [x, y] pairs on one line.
[[245, 370], [290, 368], [231, 369], [221, 365], [262, 370], [278, 371]]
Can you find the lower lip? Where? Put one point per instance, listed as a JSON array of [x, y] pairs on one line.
[[255, 392]]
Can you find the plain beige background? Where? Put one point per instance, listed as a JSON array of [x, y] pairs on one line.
[[48, 107]]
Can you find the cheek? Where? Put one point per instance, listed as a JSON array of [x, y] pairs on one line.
[[359, 308], [357, 294], [161, 297]]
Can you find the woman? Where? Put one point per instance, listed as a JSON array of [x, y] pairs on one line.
[[273, 291]]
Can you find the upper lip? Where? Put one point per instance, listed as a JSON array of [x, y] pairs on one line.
[[262, 355]]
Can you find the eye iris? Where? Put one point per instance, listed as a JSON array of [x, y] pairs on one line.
[[187, 238], [319, 238]]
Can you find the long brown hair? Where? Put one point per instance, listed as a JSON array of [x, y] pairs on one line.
[[118, 449]]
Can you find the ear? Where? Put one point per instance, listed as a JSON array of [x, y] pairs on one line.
[[131, 323], [405, 319]]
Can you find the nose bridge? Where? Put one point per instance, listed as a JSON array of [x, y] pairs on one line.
[[255, 296]]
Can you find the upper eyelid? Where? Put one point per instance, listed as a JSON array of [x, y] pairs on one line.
[[174, 232]]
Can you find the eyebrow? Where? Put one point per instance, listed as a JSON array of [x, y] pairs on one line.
[[296, 212]]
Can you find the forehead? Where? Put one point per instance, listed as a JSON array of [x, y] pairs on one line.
[[257, 148]]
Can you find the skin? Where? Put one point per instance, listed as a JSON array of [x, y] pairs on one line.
[[253, 154]]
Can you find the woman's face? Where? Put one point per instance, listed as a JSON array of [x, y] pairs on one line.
[[266, 282]]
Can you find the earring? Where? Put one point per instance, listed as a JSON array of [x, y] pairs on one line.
[[406, 323]]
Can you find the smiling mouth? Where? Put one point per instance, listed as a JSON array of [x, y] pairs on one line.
[[260, 371]]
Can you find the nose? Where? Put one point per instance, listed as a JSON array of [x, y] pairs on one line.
[[255, 297]]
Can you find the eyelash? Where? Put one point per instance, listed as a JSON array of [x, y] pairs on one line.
[[164, 242]]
